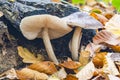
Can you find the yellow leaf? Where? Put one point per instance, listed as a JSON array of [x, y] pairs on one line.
[[84, 57], [115, 48], [99, 59], [46, 67], [29, 74], [27, 56]]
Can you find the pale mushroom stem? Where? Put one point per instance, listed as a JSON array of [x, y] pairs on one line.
[[48, 45], [75, 43]]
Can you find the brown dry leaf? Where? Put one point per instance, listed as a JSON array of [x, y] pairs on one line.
[[70, 64], [27, 56], [98, 71], [115, 48], [84, 57], [29, 74], [10, 74], [71, 77], [106, 37], [99, 59], [45, 67], [99, 17], [108, 15]]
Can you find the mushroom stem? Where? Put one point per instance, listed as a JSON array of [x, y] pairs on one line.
[[75, 43], [48, 46]]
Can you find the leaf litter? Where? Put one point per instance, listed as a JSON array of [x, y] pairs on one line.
[[99, 60]]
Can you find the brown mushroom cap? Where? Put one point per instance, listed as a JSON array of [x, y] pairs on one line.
[[32, 26]]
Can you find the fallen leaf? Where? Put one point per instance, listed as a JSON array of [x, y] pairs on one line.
[[106, 37], [115, 48], [10, 74], [101, 77], [108, 15], [95, 10], [29, 74], [98, 71], [86, 8], [87, 72], [115, 57], [118, 65], [71, 77], [84, 57], [45, 67], [27, 56], [91, 2], [59, 75], [53, 77], [109, 66], [99, 17], [112, 77], [113, 25], [70, 64], [98, 59]]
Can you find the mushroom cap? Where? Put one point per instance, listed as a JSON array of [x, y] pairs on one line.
[[83, 20], [32, 26]]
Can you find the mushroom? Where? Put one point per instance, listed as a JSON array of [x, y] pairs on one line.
[[80, 20], [46, 27]]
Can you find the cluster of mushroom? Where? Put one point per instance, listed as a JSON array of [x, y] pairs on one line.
[[49, 27]]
